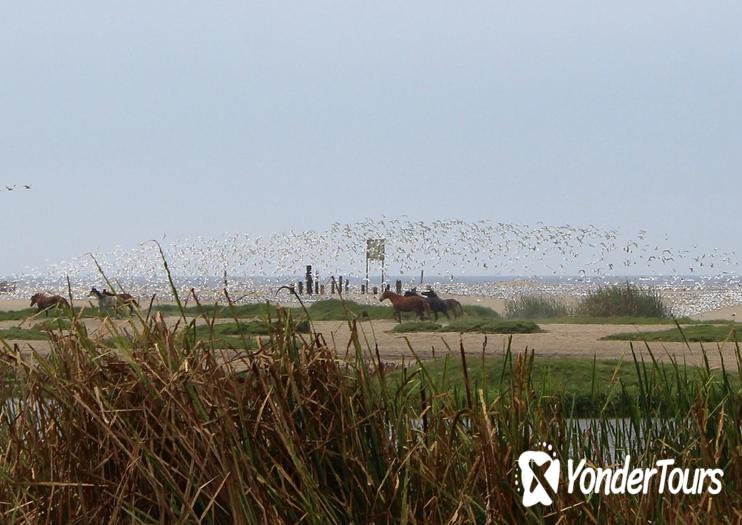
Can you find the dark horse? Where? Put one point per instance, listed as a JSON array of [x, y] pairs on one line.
[[45, 302], [402, 303], [437, 305], [452, 305]]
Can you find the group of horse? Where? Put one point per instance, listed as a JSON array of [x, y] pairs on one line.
[[106, 301], [425, 304], [422, 304]]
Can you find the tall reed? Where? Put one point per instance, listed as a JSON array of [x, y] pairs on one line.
[[535, 307], [623, 300]]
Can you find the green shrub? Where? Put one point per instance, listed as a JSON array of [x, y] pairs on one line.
[[623, 300], [482, 312], [535, 307]]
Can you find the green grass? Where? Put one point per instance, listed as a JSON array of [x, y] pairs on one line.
[[484, 326], [25, 313], [491, 326], [221, 311], [535, 307], [323, 310], [245, 328], [23, 334], [36, 332], [86, 312], [699, 333], [17, 315], [53, 324], [585, 387], [240, 335]]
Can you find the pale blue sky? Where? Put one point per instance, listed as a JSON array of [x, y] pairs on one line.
[[195, 118]]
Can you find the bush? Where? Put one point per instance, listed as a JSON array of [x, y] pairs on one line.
[[623, 300], [483, 312], [535, 307]]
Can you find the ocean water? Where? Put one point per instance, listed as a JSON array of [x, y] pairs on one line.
[[686, 295]]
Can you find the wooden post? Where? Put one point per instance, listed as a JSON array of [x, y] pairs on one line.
[[398, 286], [347, 284], [375, 289], [322, 289], [421, 276], [340, 284], [300, 285], [310, 281], [332, 285], [363, 288]]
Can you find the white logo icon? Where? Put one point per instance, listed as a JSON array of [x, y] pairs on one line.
[[537, 493], [589, 479]]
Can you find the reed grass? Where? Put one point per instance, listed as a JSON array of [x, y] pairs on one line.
[[535, 307], [623, 300], [167, 428]]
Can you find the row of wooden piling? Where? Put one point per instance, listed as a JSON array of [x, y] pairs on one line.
[[311, 285]]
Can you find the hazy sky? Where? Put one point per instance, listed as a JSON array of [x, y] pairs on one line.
[[195, 118]]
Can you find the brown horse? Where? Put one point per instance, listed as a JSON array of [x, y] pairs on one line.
[[45, 302], [413, 303]]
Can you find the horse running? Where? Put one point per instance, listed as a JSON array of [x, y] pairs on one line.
[[454, 307], [414, 303], [112, 301], [45, 302], [437, 304], [451, 305]]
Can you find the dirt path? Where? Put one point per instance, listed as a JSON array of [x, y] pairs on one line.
[[567, 340]]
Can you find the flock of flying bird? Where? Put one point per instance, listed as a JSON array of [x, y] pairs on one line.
[[570, 259], [14, 186]]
